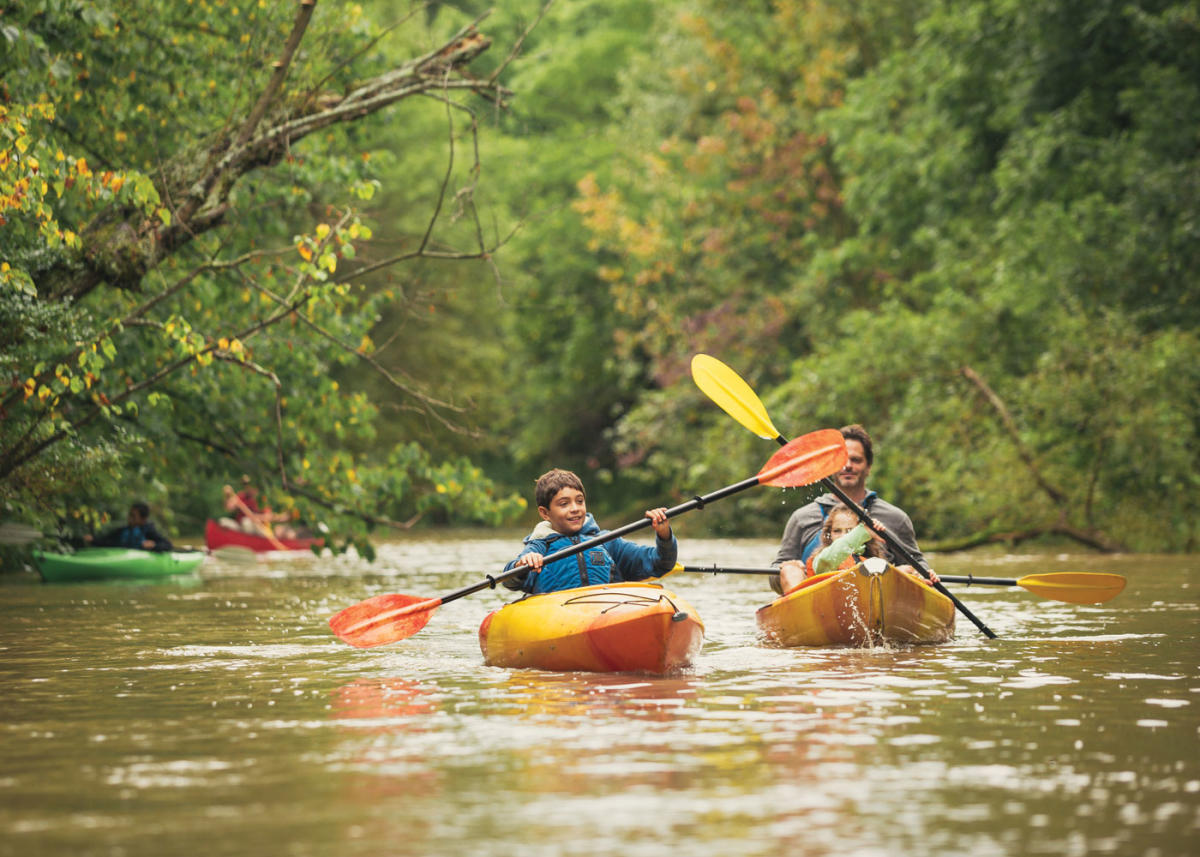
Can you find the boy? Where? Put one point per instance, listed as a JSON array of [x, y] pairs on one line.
[[565, 522], [139, 533]]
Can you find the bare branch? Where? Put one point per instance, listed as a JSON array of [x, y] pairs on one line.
[[1010, 427], [124, 245], [516, 49]]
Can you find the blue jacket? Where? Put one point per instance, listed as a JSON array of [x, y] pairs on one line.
[[611, 562], [132, 537]]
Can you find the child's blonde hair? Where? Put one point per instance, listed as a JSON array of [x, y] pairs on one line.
[[871, 548]]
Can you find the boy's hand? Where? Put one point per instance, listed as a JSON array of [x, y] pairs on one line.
[[532, 560], [658, 517]]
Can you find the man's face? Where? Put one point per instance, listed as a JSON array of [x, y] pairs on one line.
[[566, 512], [853, 477]]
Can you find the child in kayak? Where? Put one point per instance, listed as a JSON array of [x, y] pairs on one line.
[[565, 522], [845, 542], [139, 532]]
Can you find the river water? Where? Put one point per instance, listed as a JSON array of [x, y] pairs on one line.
[[216, 715]]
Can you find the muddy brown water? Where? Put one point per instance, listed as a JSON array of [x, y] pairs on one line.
[[216, 715]]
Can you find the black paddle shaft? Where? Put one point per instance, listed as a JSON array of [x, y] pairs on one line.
[[945, 578], [603, 538], [982, 581], [894, 543]]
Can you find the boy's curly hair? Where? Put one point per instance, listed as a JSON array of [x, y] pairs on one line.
[[553, 481]]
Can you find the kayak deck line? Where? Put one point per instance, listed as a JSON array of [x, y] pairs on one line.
[[628, 627]]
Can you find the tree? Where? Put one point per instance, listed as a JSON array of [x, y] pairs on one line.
[[184, 249], [980, 242]]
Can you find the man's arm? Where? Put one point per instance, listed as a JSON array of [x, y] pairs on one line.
[[151, 533]]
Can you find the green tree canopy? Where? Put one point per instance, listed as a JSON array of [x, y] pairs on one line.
[[184, 194], [975, 235]]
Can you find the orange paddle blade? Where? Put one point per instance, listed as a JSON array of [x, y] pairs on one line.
[[805, 460], [383, 619]]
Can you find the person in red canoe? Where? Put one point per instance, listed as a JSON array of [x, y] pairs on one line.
[[566, 522], [249, 517], [139, 532]]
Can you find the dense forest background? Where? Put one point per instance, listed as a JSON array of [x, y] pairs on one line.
[[395, 260]]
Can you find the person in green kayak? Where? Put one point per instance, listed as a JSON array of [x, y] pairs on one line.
[[802, 535], [139, 532], [566, 521]]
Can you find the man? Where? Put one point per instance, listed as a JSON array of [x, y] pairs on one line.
[[802, 535], [139, 532]]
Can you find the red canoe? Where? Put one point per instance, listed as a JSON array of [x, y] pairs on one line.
[[216, 536]]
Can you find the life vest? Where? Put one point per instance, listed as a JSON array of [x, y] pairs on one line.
[[132, 537], [588, 568]]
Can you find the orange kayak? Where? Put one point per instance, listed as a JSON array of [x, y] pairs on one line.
[[624, 627], [868, 604]]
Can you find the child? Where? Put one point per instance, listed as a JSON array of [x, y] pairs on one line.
[[565, 522], [856, 544], [839, 523], [139, 533]]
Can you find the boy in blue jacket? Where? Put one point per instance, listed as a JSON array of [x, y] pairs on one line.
[[565, 522]]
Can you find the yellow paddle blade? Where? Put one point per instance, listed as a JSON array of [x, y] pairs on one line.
[[678, 567], [733, 395], [1074, 587]]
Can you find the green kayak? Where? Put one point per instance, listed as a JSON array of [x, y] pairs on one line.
[[111, 563]]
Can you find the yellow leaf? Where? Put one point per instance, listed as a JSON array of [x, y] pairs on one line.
[[323, 231]]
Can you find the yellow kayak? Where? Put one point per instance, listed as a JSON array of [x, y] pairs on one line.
[[868, 604], [624, 627]]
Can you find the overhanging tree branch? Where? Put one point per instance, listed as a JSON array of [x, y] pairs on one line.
[[122, 245]]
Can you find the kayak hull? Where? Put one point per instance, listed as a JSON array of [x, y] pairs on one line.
[[870, 604], [216, 536], [627, 627], [114, 563]]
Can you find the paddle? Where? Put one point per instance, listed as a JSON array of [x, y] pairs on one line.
[[1074, 587], [390, 618], [16, 533], [265, 529], [734, 396], [234, 555]]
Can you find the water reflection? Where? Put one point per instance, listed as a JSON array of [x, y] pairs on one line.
[[394, 704], [224, 718]]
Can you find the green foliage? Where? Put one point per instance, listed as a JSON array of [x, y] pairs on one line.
[[971, 226], [1009, 195], [138, 365]]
